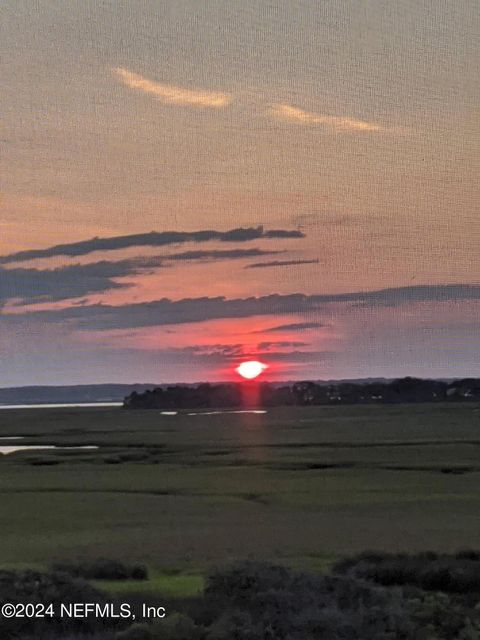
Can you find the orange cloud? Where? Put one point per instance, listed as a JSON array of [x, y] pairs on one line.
[[171, 94], [287, 112]]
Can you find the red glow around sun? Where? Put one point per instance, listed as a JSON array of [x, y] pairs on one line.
[[251, 369]]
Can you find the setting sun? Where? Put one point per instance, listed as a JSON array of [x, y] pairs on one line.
[[251, 369]]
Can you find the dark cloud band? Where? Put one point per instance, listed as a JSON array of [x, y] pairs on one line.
[[68, 282], [166, 311], [279, 263], [294, 326], [152, 239]]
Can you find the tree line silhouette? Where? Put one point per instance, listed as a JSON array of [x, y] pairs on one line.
[[265, 394]]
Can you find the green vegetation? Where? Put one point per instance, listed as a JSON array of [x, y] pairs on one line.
[[171, 585], [458, 573], [300, 487], [262, 601], [189, 492]]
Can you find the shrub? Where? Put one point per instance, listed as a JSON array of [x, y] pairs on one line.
[[174, 627], [468, 554], [459, 573], [102, 569], [177, 627], [135, 632], [255, 601], [36, 588], [104, 635], [139, 572]]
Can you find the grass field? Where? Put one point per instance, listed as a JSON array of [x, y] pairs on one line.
[[182, 493]]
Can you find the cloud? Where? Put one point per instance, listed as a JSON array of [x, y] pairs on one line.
[[294, 326], [281, 344], [224, 350], [168, 312], [279, 263], [294, 114], [291, 357], [220, 354], [232, 254], [40, 285], [171, 94], [152, 239], [51, 285]]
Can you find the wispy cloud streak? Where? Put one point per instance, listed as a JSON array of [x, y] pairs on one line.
[[279, 263], [294, 326], [171, 94], [294, 114]]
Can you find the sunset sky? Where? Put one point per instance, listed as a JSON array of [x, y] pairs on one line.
[[187, 184]]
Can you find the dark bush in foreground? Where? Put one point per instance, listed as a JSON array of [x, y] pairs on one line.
[[104, 635], [258, 601], [136, 632], [102, 569], [35, 588], [459, 573], [255, 601], [174, 627]]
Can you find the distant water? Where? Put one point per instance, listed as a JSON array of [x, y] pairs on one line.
[[215, 413], [61, 405], [35, 447]]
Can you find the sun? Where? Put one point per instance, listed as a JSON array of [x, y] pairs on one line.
[[251, 369]]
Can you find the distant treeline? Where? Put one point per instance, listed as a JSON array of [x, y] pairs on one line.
[[205, 396], [69, 394]]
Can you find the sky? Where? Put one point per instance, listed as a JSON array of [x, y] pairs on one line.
[[186, 185]]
